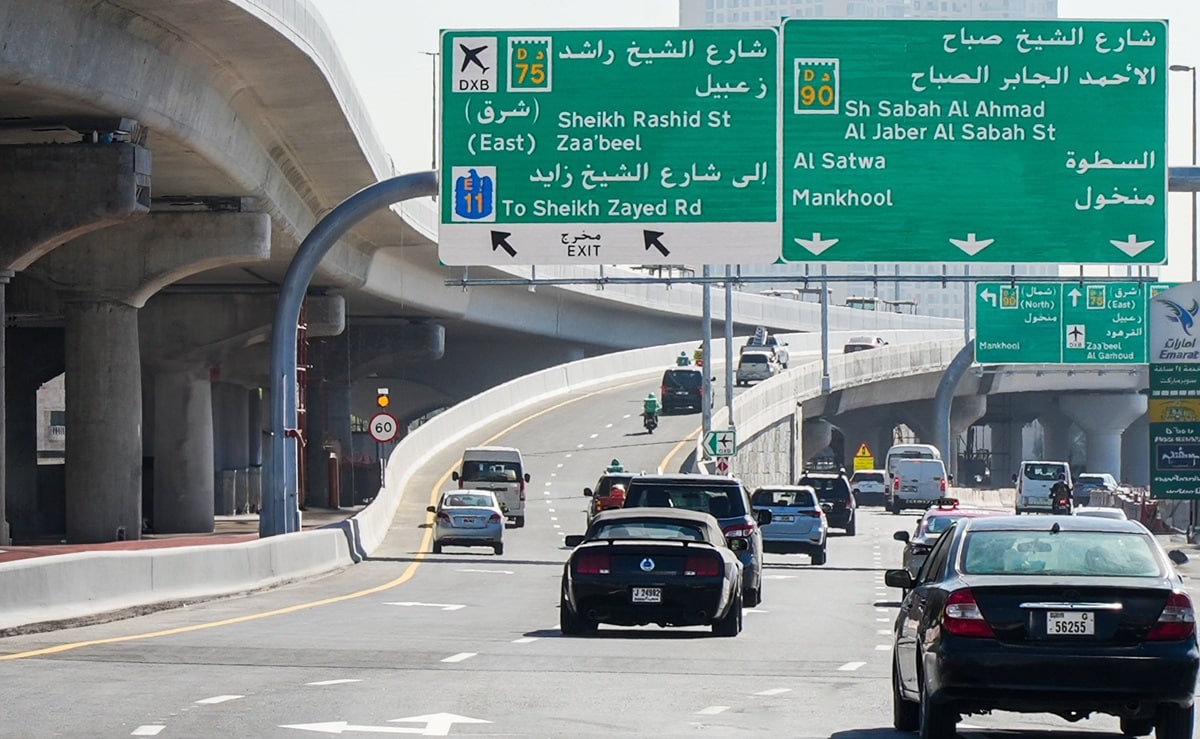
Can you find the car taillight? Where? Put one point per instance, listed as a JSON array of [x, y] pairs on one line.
[[662, 393], [443, 516], [743, 529], [962, 616], [815, 513], [1177, 621], [942, 485], [522, 490], [896, 483], [701, 565], [460, 483], [593, 563], [495, 518]]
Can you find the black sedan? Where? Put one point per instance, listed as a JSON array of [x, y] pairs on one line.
[[652, 566], [1045, 614]]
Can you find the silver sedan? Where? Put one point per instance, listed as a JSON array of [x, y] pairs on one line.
[[468, 518]]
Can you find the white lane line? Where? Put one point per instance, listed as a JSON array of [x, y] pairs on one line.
[[554, 518], [460, 656], [560, 464], [851, 666], [774, 691], [567, 455], [882, 610], [343, 681], [883, 620], [628, 415], [755, 610], [547, 483], [883, 632], [579, 446], [218, 699], [608, 426], [593, 436], [554, 474], [883, 647], [557, 526], [148, 730], [712, 710], [525, 640], [550, 509]]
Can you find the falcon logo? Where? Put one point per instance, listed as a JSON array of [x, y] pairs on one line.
[[1185, 317]]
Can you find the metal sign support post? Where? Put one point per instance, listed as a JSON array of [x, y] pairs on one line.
[[826, 385], [729, 343], [281, 510], [706, 352]]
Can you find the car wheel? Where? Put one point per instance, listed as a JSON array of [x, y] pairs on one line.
[[571, 624], [731, 625], [936, 722], [752, 597], [498, 548], [1174, 722], [819, 558], [1137, 726], [437, 548], [852, 527], [895, 508], [520, 522], [906, 714]]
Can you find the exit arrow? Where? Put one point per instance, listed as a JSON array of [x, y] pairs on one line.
[[1074, 295], [436, 724], [1132, 247], [972, 246], [651, 239], [989, 296], [443, 606], [816, 244], [500, 239]]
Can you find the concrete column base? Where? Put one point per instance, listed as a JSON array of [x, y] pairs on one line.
[[1103, 417]]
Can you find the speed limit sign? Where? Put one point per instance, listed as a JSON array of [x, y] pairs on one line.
[[384, 427]]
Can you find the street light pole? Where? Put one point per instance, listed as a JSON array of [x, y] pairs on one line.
[[1195, 244], [433, 57]]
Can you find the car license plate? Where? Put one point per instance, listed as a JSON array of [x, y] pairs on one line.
[[647, 595], [1070, 623], [467, 520], [783, 519]]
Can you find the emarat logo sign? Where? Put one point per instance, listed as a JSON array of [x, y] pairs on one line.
[[1174, 326]]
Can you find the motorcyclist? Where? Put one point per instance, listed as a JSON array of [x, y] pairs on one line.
[[615, 466], [682, 360], [1061, 499], [650, 406]]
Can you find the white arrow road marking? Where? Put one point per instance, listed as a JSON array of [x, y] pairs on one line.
[[218, 699], [491, 572], [457, 658], [443, 606], [970, 245], [148, 730], [816, 244], [990, 297], [343, 681], [436, 724], [851, 666], [525, 640], [774, 691], [1132, 246]]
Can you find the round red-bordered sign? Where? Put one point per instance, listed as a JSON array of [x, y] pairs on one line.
[[383, 427]]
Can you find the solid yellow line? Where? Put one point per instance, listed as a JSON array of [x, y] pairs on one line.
[[403, 578]]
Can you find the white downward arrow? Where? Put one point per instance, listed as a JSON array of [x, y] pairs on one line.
[[816, 244], [443, 606], [971, 245], [1132, 246]]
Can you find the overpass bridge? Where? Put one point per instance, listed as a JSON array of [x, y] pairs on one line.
[[159, 179]]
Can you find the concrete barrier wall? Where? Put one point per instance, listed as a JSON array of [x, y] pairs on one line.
[[72, 586]]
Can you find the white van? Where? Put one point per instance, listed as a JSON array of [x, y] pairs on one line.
[[907, 451], [1034, 482], [499, 469], [917, 483]]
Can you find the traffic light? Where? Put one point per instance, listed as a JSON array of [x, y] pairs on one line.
[[381, 397]]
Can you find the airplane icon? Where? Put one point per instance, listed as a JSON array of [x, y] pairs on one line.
[[1075, 333], [472, 57]]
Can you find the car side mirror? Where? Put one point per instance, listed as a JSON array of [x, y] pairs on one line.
[[454, 476], [901, 536], [431, 509], [526, 477], [573, 540], [898, 579], [738, 544], [950, 479], [1014, 479], [1177, 556], [763, 517], [587, 492]]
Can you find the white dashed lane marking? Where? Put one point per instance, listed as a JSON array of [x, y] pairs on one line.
[[218, 699], [712, 710], [148, 730], [608, 426], [334, 682], [525, 640], [851, 666], [883, 647], [774, 691], [883, 632], [460, 656], [593, 436]]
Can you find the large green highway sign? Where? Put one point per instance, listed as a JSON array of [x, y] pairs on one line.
[[1062, 322], [609, 147], [975, 141]]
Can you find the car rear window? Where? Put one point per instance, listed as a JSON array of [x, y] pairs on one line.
[[783, 499], [685, 379], [722, 501], [470, 499], [867, 477], [490, 471], [826, 488], [659, 530], [938, 524], [1045, 472], [1089, 553], [754, 359]]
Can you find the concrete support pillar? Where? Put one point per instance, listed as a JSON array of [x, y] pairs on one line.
[[815, 435], [1056, 430], [1135, 452], [966, 410], [1103, 417], [183, 463], [328, 421], [231, 447], [104, 422], [31, 510], [1008, 450]]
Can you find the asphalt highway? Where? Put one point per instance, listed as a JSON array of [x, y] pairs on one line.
[[466, 643]]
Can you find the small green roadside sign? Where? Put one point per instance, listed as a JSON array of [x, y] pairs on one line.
[[975, 141], [720, 443], [627, 146]]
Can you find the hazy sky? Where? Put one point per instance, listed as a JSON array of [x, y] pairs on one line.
[[382, 43]]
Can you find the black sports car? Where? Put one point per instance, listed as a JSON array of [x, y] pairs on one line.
[[1045, 614], [652, 566]]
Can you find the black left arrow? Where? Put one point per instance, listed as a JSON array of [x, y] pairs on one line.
[[499, 238], [651, 239]]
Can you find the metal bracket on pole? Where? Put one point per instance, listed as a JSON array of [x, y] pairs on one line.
[[280, 510]]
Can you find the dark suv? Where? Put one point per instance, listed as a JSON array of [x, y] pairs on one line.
[[682, 387], [725, 499], [833, 490]]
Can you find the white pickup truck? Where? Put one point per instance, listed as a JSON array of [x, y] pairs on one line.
[[763, 341]]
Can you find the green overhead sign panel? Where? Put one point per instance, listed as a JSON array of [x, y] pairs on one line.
[[974, 141], [1062, 322], [610, 147]]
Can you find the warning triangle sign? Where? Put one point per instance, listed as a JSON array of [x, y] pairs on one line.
[[863, 451]]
